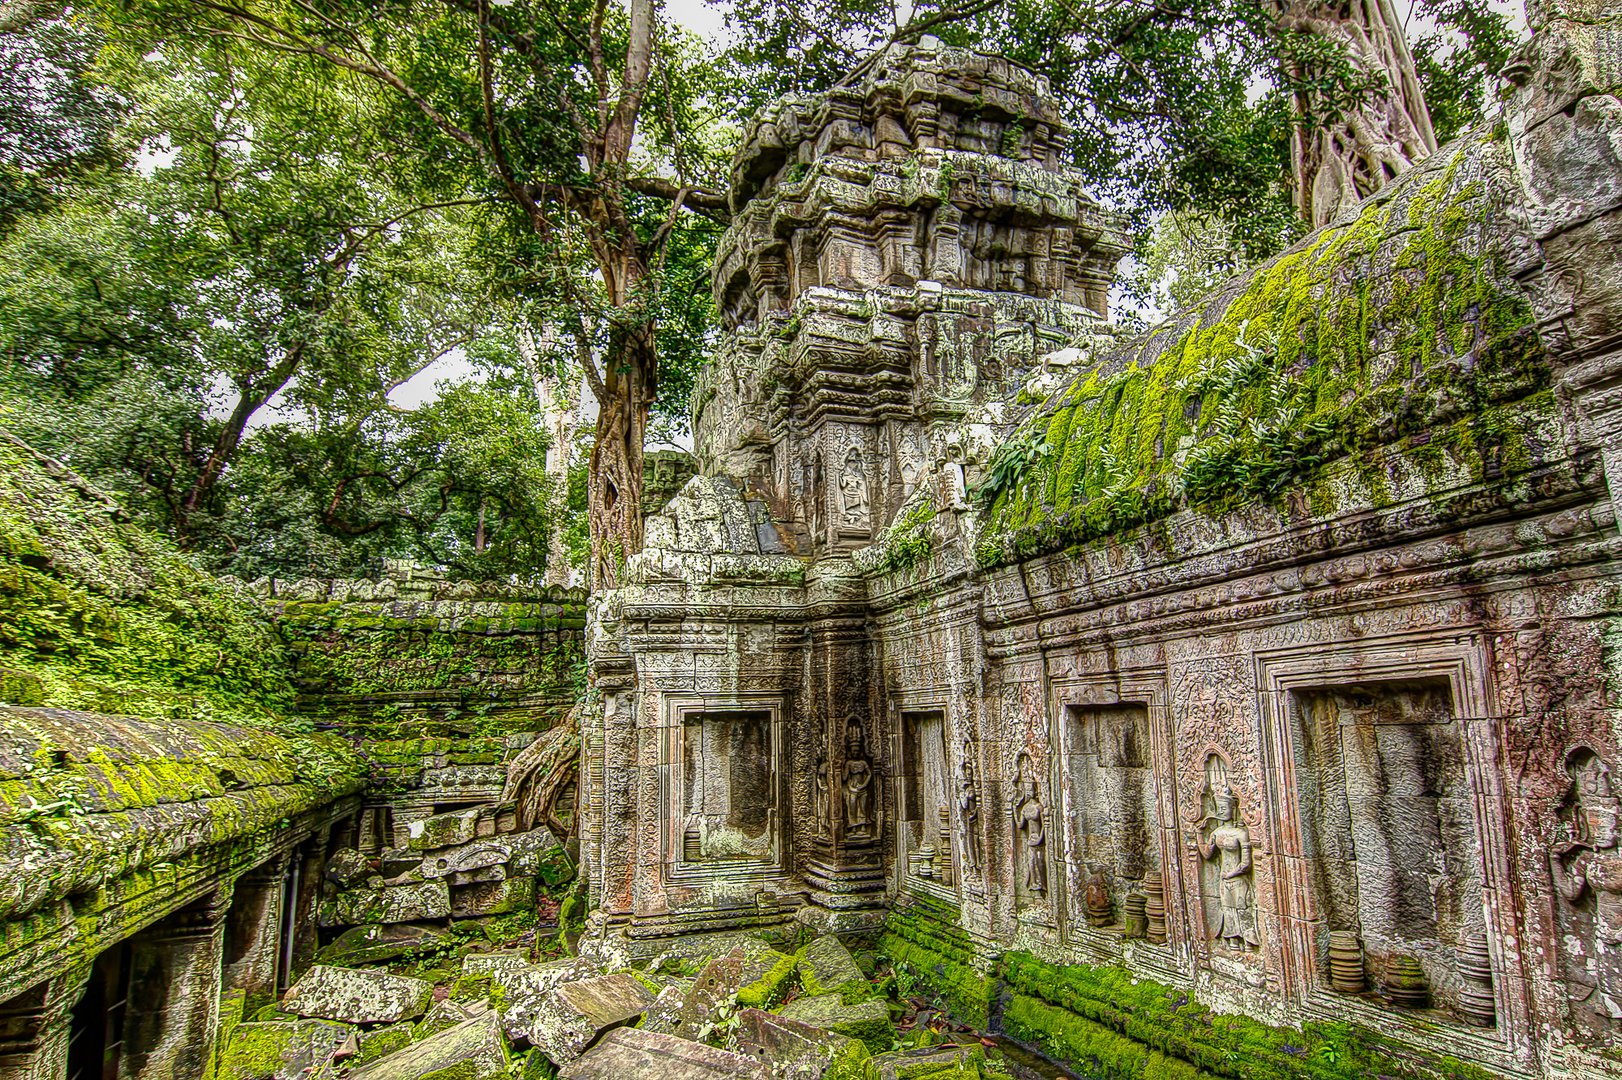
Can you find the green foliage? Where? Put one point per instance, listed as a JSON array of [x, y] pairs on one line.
[[1403, 321], [906, 542], [107, 617]]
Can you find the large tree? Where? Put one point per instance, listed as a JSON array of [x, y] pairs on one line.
[[577, 112]]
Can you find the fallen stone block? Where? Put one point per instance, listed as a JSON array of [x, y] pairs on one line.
[[348, 868], [492, 897], [280, 1049], [827, 967], [482, 855], [625, 1053], [388, 904], [442, 1016], [444, 830], [793, 1050], [358, 996], [525, 989], [381, 1042], [375, 943], [868, 1021], [474, 1048], [569, 1019], [664, 1015], [396, 861], [931, 1063]]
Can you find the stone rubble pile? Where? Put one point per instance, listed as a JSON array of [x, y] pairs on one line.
[[745, 1010]]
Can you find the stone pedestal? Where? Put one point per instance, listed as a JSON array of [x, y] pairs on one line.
[[174, 993], [254, 930], [34, 1028]]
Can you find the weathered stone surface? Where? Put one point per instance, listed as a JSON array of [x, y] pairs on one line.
[[444, 830], [868, 1021], [631, 1052], [357, 997], [826, 965], [474, 1048], [445, 1014], [527, 988], [794, 1050], [281, 1050], [416, 902], [566, 1021], [380, 1042], [930, 1063], [348, 868], [491, 897], [375, 944]]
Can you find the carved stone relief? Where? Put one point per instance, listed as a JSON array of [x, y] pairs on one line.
[[855, 513], [1586, 866], [729, 806], [857, 789], [1227, 877], [1110, 818], [1030, 832]]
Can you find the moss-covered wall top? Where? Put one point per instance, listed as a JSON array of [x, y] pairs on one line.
[[412, 655], [1403, 324], [99, 614]]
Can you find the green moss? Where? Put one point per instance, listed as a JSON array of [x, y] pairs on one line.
[[1401, 322], [906, 543], [100, 615], [925, 938], [770, 987], [381, 1043]]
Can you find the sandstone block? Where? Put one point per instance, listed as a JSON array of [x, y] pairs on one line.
[[793, 1050], [444, 830], [570, 1018], [868, 1021], [417, 902], [374, 944], [281, 1050], [631, 1052], [474, 1048], [826, 966], [358, 997], [930, 1063]]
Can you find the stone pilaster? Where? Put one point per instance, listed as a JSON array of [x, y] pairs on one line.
[[174, 993], [34, 1028], [254, 929]]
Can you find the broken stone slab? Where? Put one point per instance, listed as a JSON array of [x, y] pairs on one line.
[[868, 1021], [632, 1052], [396, 861], [468, 858], [827, 967], [526, 987], [280, 1049], [664, 1015], [388, 904], [381, 1042], [442, 1016], [794, 1050], [376, 943], [570, 1018], [445, 830], [358, 996], [753, 974], [492, 897], [487, 963], [348, 868], [931, 1063], [474, 1048]]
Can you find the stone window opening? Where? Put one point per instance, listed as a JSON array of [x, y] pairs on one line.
[[729, 787]]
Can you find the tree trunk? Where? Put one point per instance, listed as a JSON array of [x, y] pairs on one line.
[[1341, 155], [615, 493]]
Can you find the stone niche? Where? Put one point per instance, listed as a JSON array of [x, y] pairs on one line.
[[1110, 833], [727, 789], [1387, 825], [925, 806]]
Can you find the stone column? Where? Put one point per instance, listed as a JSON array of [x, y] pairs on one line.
[[254, 930], [312, 866], [34, 1028], [174, 993]]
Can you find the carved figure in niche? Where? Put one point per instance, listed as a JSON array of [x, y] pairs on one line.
[[968, 808], [820, 803], [912, 466], [853, 507], [1029, 824], [1228, 844], [1592, 863], [858, 785]]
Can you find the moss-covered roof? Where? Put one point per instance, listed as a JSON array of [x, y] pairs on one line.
[[87, 798], [1403, 322], [97, 613]]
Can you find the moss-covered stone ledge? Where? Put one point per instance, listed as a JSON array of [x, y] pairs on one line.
[[107, 823], [410, 654], [1406, 321], [1106, 1022]]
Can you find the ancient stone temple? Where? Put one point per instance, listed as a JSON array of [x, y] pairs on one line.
[[1268, 658], [1240, 699]]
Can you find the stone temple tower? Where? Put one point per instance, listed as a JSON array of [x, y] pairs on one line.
[[905, 251], [904, 248]]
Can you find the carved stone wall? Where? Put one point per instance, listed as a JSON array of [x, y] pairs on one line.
[[1283, 674]]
